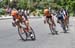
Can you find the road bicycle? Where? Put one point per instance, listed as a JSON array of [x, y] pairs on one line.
[[24, 35], [63, 25], [51, 26]]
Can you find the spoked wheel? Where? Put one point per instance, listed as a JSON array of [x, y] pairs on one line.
[[22, 34], [32, 35]]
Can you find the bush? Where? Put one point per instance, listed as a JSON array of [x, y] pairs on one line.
[[2, 11], [32, 9]]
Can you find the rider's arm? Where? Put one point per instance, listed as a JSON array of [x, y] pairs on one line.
[[44, 15], [13, 18], [44, 19]]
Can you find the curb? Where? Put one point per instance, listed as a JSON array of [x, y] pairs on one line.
[[9, 17], [4, 18]]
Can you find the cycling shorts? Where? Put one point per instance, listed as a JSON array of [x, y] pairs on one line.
[[48, 16], [60, 17]]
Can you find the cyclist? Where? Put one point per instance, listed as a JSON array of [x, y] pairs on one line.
[[18, 17], [61, 18], [24, 16], [49, 17], [66, 18]]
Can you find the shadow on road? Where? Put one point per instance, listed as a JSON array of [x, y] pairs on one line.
[[26, 40]]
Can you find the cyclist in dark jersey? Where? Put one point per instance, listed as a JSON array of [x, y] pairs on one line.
[[66, 20]]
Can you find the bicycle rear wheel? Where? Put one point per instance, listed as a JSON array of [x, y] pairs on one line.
[[22, 34]]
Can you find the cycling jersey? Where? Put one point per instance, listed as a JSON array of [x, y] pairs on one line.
[[60, 15], [14, 13], [25, 16]]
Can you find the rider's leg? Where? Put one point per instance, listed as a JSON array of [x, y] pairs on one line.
[[53, 25], [18, 25], [63, 25], [50, 26], [27, 25], [52, 20], [66, 22]]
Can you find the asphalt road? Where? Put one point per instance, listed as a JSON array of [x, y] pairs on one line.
[[9, 37]]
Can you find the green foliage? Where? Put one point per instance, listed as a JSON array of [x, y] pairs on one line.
[[2, 11], [32, 9], [67, 4], [22, 4]]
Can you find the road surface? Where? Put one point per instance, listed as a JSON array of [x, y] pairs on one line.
[[9, 37]]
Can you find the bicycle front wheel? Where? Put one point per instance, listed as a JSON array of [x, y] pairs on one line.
[[22, 34], [32, 34]]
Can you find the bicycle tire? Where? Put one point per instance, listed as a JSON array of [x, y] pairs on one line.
[[33, 37], [24, 38]]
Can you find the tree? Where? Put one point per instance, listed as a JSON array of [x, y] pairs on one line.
[[4, 2], [22, 4]]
